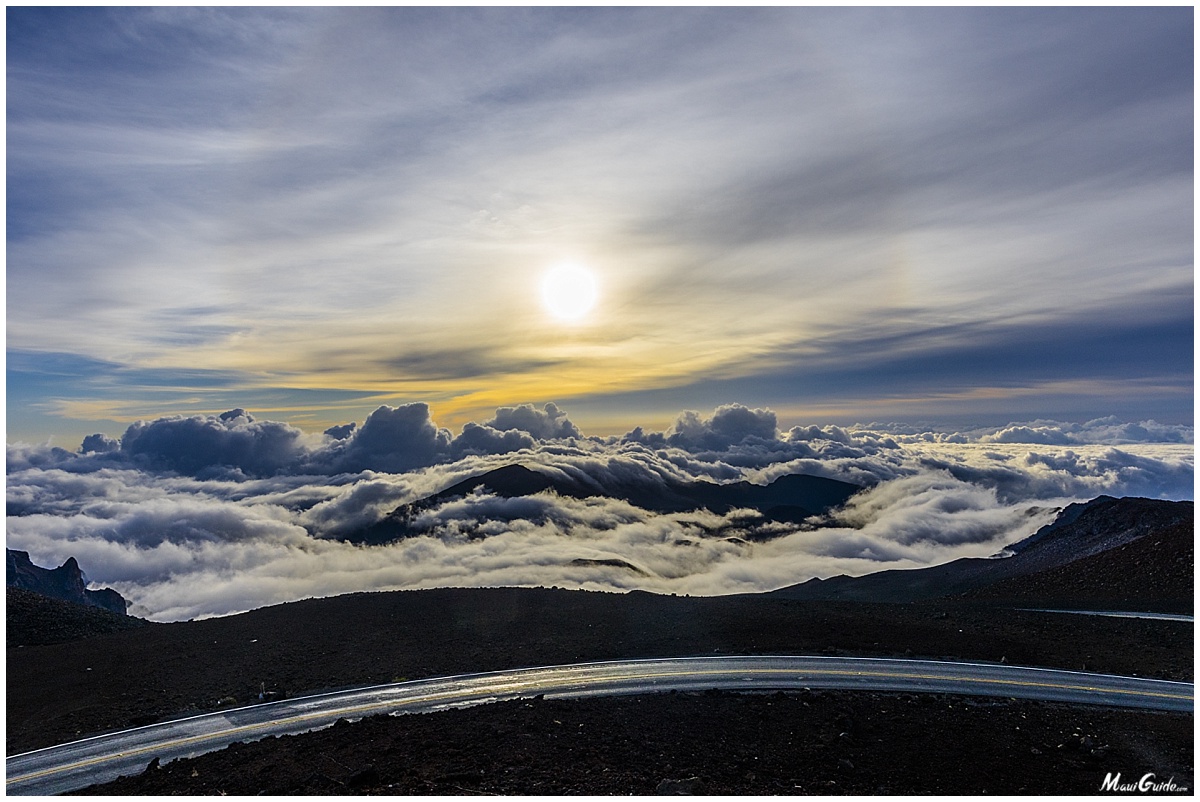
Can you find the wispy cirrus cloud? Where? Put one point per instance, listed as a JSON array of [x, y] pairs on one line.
[[354, 200]]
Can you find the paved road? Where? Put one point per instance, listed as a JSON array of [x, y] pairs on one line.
[[105, 757], [1187, 619]]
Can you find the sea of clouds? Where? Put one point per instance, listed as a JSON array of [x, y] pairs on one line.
[[209, 515]]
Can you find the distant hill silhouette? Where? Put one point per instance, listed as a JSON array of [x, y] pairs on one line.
[[1133, 553], [65, 583], [790, 498]]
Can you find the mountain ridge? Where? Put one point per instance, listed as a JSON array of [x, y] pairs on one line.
[[65, 583], [1082, 535], [790, 499]]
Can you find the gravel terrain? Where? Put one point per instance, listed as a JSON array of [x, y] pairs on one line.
[[705, 743], [730, 743], [63, 691]]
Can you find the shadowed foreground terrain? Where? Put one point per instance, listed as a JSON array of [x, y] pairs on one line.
[[731, 743], [35, 620], [64, 691], [75, 671], [815, 742]]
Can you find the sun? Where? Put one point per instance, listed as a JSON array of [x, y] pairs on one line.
[[569, 292]]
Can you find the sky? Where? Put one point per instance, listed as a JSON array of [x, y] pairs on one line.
[[273, 273], [967, 217]]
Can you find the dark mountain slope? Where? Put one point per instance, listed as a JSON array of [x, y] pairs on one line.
[[1087, 538], [1099, 525], [1153, 573], [32, 619], [789, 498]]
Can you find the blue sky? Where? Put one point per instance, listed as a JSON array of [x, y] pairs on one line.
[[843, 214]]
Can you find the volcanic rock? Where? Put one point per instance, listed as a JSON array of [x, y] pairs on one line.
[[1133, 552], [66, 582]]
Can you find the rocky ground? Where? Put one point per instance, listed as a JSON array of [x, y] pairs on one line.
[[705, 743], [36, 620], [729, 743], [1150, 573]]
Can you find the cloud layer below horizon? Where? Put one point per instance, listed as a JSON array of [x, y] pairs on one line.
[[208, 515]]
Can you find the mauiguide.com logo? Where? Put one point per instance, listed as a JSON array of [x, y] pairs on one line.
[[1148, 784]]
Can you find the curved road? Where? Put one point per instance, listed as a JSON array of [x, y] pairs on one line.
[[1186, 619], [81, 763]]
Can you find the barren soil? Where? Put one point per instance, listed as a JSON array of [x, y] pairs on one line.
[[730, 743], [708, 743]]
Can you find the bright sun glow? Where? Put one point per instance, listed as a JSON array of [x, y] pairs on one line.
[[569, 292]]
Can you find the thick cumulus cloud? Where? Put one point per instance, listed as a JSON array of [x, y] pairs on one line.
[[730, 426], [514, 429], [99, 444], [732, 440], [483, 439], [207, 515], [549, 423], [396, 439], [733, 434], [233, 439], [393, 439], [342, 431]]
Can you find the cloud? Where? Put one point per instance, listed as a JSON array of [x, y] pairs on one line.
[[734, 434], [932, 508], [1027, 171], [392, 439], [732, 442], [359, 502], [1099, 431], [342, 431], [729, 425], [183, 555], [99, 444], [181, 526], [484, 439], [233, 439], [1027, 434], [401, 438], [546, 424], [19, 456], [799, 434]]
